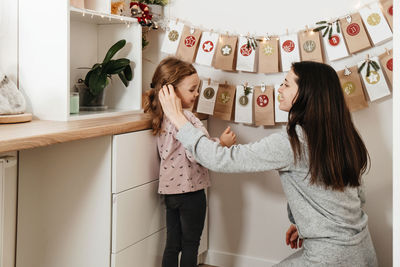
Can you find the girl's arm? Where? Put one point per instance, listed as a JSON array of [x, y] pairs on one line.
[[270, 153]]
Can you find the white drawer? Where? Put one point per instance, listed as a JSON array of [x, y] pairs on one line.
[[135, 160], [137, 213], [146, 253]]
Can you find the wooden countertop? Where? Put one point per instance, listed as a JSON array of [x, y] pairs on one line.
[[39, 133]]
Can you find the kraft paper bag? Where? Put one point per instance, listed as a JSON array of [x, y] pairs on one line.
[[207, 47], [225, 54], [189, 44], [386, 60], [375, 83], [264, 105], [353, 91], [289, 47], [280, 115], [268, 55], [335, 46], [243, 105], [354, 33], [172, 38], [245, 56], [224, 103], [376, 24], [387, 8], [207, 97], [310, 46]]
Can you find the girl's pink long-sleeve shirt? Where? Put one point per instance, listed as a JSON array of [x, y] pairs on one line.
[[179, 172]]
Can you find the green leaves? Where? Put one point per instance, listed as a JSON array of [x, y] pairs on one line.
[[328, 28], [97, 78], [113, 50], [370, 63]]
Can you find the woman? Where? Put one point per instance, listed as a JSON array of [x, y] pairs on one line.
[[320, 159]]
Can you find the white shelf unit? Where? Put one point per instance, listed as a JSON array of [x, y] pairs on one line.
[[54, 43]]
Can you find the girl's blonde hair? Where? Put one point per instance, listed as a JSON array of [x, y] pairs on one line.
[[170, 71]]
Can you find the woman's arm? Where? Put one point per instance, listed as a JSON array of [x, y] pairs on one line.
[[270, 153]]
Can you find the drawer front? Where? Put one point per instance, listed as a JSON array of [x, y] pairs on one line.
[[137, 214], [135, 160], [146, 253]]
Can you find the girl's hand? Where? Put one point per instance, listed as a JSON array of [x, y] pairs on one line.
[[292, 236], [227, 138], [171, 105]]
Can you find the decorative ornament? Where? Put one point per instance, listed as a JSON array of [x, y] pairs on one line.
[[245, 50], [373, 77], [353, 29], [328, 27], [262, 100], [226, 50], [369, 63], [334, 40], [374, 19], [244, 100], [209, 93], [173, 35], [309, 46], [251, 42], [208, 46], [288, 46], [348, 88], [224, 98], [267, 49], [190, 41]]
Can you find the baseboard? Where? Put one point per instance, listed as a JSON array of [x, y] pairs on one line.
[[224, 259]]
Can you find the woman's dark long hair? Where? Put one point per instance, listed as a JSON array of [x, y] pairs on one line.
[[337, 154]]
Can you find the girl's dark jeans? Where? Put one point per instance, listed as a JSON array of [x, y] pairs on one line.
[[185, 221]]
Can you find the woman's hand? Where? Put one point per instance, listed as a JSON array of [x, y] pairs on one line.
[[292, 236], [227, 138], [171, 105]]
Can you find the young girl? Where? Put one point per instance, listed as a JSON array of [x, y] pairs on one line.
[[182, 179], [320, 158]]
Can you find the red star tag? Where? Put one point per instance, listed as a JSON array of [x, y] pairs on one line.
[[208, 46], [245, 51], [190, 41]]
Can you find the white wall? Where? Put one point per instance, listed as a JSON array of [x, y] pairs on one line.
[[248, 211], [8, 38]]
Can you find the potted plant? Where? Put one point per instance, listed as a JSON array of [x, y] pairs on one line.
[[99, 76]]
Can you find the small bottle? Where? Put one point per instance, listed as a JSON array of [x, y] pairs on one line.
[[74, 103]]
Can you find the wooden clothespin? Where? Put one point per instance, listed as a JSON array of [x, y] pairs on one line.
[[387, 51], [191, 30], [209, 81], [176, 21], [263, 87], [226, 82], [287, 31]]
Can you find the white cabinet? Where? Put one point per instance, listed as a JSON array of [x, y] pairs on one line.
[[55, 39], [135, 160], [137, 214], [147, 253]]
